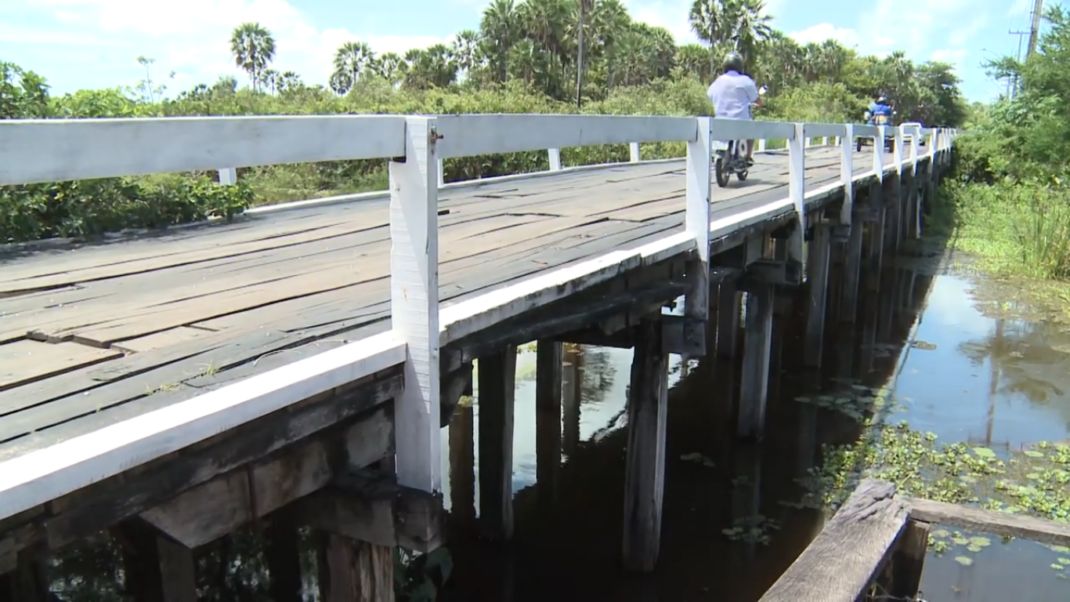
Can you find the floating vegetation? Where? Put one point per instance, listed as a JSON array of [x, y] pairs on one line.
[[923, 345], [698, 458], [752, 529], [854, 401]]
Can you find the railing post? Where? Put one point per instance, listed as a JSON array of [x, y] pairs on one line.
[[555, 158], [228, 176], [797, 193], [697, 218], [897, 152], [441, 173], [878, 153], [414, 304], [915, 146], [633, 152], [761, 145], [847, 173]]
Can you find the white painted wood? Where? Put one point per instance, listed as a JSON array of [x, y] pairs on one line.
[[468, 135], [847, 173], [878, 152], [809, 143], [414, 305], [761, 145], [228, 176], [471, 315], [865, 131], [441, 173], [555, 158], [897, 153], [745, 129], [633, 152], [52, 150], [42, 475], [915, 146], [697, 217], [797, 191], [824, 130]]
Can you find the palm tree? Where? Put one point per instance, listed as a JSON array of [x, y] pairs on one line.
[[707, 19], [391, 67], [499, 32], [350, 61], [288, 80], [465, 49], [585, 7], [253, 49], [748, 25], [609, 26], [270, 79]]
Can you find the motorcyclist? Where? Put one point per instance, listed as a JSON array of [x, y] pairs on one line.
[[880, 112], [733, 93]]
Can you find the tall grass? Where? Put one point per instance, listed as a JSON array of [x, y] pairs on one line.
[[1020, 228]]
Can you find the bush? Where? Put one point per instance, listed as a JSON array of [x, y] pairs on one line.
[[87, 208]]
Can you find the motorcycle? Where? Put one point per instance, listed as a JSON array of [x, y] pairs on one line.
[[731, 161]]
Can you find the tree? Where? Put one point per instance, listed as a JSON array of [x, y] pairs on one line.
[[22, 93], [694, 61], [706, 19], [253, 48], [288, 81], [498, 31], [270, 80], [431, 68], [610, 24], [585, 7], [390, 67], [747, 25], [350, 61], [466, 50]]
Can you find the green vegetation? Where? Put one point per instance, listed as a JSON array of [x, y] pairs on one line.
[[528, 56], [1010, 201]]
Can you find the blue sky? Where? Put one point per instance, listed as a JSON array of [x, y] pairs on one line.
[[95, 43]]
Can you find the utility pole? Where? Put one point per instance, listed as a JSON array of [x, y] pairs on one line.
[[1012, 81], [1038, 10]]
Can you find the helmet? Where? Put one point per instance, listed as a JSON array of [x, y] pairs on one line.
[[882, 99], [733, 61]]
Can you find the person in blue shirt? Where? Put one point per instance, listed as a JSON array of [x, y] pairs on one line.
[[880, 112]]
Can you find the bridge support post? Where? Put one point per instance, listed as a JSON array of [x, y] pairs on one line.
[[754, 384], [572, 383], [797, 193], [728, 312], [355, 571], [29, 578], [497, 374], [283, 555], [818, 270], [158, 568], [697, 222], [414, 304], [462, 465], [644, 476], [549, 364], [852, 268]]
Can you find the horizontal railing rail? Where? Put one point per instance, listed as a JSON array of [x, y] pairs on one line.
[[55, 150]]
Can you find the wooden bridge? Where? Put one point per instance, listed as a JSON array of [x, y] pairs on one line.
[[174, 386]]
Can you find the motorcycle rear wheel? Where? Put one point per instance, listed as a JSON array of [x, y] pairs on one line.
[[722, 175]]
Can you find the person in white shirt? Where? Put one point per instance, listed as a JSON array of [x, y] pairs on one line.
[[732, 94]]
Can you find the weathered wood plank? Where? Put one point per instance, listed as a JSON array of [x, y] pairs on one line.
[[1000, 523], [27, 361], [644, 476], [355, 571], [844, 558]]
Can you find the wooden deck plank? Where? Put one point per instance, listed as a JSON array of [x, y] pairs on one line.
[[27, 361]]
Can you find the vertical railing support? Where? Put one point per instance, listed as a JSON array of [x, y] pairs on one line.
[[797, 193], [847, 173], [915, 149], [697, 218], [228, 176], [633, 152], [878, 153], [761, 145], [555, 159], [414, 304], [897, 152], [441, 173]]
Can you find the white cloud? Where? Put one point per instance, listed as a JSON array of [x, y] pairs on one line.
[[826, 31], [670, 14], [191, 37]]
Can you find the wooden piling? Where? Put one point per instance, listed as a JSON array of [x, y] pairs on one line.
[[29, 580], [497, 373], [571, 395], [754, 384], [908, 560], [157, 568], [728, 310], [852, 271], [817, 294], [644, 476], [462, 465], [548, 380], [355, 571], [282, 553]]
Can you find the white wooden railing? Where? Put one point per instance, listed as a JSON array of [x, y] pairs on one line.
[[34, 151]]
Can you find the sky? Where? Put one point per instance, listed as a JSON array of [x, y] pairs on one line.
[[95, 43]]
